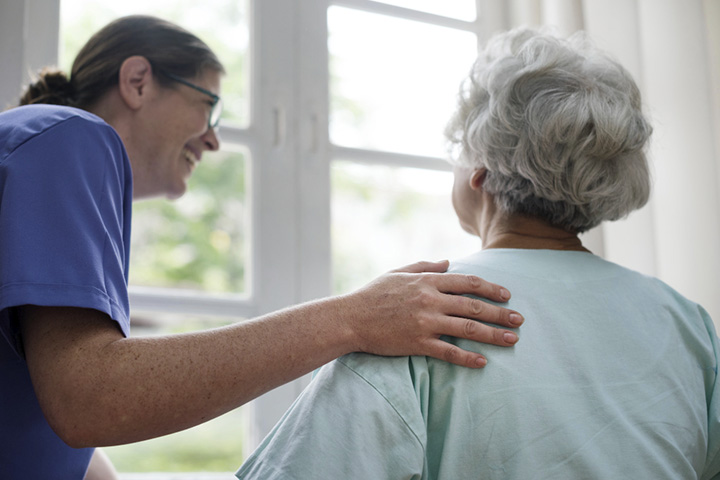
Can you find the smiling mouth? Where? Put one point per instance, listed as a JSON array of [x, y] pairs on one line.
[[191, 158]]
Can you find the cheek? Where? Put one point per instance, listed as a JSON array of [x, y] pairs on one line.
[[199, 125], [458, 203], [459, 193], [454, 198], [183, 129], [463, 203]]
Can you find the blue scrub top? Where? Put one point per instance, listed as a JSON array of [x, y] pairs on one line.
[[65, 210]]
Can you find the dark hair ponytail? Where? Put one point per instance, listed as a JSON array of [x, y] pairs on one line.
[[52, 87], [167, 47]]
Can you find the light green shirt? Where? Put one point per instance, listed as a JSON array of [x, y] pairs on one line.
[[614, 378]]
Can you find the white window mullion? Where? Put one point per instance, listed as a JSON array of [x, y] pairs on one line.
[[313, 163], [191, 302], [13, 58], [406, 13], [394, 159], [274, 190], [28, 42], [42, 25]]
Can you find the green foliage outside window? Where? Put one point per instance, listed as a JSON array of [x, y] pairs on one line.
[[216, 446], [198, 241]]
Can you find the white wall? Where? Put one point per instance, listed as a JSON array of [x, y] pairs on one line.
[[28, 41]]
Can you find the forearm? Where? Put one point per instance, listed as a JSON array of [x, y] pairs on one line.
[[98, 388], [119, 390]]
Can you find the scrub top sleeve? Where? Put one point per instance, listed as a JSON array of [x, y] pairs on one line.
[[65, 211]]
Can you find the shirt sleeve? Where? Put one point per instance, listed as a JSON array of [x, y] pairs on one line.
[[65, 207], [340, 427], [712, 388]]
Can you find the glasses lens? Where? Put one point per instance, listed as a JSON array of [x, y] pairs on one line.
[[215, 113]]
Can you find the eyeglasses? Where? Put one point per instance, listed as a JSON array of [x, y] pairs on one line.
[[217, 104]]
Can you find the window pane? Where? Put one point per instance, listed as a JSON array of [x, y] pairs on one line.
[[393, 89], [460, 9], [222, 24], [386, 217], [215, 446], [200, 240], [151, 323]]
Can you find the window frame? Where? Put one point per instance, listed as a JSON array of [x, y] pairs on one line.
[[290, 155]]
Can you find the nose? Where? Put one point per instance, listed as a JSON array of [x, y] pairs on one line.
[[211, 139]]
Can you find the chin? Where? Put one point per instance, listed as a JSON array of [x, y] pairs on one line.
[[174, 196], [176, 192]]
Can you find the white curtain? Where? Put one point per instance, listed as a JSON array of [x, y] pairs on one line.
[[672, 48]]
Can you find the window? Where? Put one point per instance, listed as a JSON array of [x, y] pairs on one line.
[[395, 89], [331, 169], [391, 93]]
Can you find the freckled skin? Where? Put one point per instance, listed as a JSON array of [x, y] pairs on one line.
[[117, 390]]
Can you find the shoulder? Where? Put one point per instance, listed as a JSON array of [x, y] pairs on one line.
[[36, 118], [385, 374], [538, 276], [54, 142], [35, 123], [551, 267], [345, 425], [399, 383]]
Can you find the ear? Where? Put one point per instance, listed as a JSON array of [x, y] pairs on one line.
[[478, 178], [134, 79]]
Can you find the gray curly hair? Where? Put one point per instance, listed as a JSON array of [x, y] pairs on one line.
[[558, 126]]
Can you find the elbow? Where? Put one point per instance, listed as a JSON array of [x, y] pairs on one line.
[[75, 440], [75, 430], [76, 417], [72, 370], [77, 437]]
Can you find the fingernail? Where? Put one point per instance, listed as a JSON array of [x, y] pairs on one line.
[[481, 362], [516, 319], [510, 337], [504, 294]]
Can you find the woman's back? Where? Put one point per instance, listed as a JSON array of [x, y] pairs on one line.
[[613, 378]]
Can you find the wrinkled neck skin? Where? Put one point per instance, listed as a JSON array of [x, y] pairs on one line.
[[500, 230]]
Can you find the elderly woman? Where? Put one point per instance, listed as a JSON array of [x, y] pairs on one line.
[[616, 373]]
